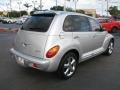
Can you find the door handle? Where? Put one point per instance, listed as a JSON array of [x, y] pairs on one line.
[[76, 37]]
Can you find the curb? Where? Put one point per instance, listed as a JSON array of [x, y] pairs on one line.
[[8, 30]]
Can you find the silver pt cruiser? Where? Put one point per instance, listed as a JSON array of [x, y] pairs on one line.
[[58, 41]]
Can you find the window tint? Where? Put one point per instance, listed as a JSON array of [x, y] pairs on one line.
[[84, 24], [39, 22], [76, 23], [68, 24], [94, 25]]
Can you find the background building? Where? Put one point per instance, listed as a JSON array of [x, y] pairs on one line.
[[90, 12]]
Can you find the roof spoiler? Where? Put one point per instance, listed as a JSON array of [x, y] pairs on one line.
[[42, 11]]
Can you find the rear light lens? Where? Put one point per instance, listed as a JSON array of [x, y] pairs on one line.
[[34, 65], [53, 51]]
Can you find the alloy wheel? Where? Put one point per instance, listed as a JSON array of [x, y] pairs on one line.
[[69, 66]]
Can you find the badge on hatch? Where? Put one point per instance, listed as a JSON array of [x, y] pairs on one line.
[[25, 44]]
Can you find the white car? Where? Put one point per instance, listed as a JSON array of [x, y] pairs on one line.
[[21, 20], [59, 41], [7, 20]]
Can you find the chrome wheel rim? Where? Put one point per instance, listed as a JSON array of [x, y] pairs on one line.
[[111, 48], [69, 66]]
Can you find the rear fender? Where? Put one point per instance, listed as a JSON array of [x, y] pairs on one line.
[[107, 40]]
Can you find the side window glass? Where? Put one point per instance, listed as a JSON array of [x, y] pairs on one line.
[[107, 21], [68, 25], [84, 24], [76, 23], [94, 25]]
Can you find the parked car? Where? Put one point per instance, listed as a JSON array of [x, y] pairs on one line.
[[7, 20], [14, 20], [0, 19], [109, 24], [22, 19], [58, 41]]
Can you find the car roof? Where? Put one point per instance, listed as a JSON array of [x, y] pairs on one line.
[[61, 13]]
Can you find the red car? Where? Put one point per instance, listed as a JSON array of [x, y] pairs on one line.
[[109, 24]]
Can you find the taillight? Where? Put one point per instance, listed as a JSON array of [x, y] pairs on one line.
[[52, 52]]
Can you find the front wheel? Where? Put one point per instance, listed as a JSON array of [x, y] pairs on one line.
[[114, 30], [67, 66], [110, 48]]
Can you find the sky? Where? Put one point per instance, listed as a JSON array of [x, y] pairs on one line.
[[99, 5]]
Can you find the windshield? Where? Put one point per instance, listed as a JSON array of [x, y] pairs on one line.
[[103, 20], [38, 22]]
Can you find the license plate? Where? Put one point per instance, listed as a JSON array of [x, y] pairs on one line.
[[20, 60]]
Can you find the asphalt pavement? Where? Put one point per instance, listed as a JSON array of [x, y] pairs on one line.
[[99, 73], [11, 26]]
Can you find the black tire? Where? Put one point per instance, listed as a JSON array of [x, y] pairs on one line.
[[110, 48], [68, 66], [9, 22], [114, 30]]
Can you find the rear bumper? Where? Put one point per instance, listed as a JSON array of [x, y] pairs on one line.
[[30, 61]]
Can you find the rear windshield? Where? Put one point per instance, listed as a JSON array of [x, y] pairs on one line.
[[38, 23]]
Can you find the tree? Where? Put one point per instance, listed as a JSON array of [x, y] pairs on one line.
[[80, 11], [32, 12], [23, 13], [16, 13], [57, 8], [61, 8], [1, 13], [27, 5], [70, 9], [13, 14], [114, 11]]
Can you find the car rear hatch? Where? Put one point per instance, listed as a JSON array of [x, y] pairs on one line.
[[32, 37]]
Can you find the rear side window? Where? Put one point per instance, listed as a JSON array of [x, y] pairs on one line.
[[94, 25], [76, 23], [38, 23]]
